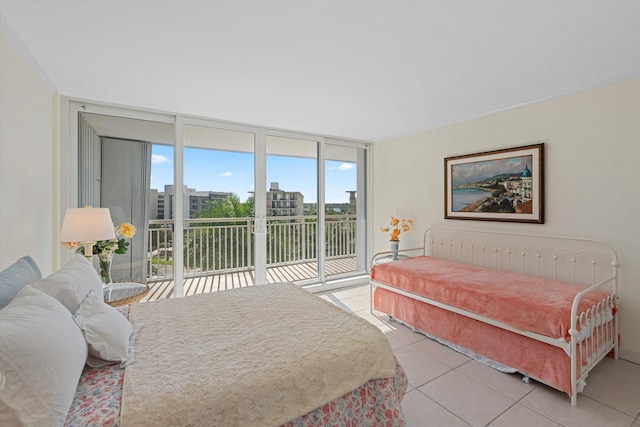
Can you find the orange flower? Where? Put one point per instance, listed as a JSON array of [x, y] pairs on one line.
[[398, 225]]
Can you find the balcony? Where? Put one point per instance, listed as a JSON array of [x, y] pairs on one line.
[[219, 255], [296, 273]]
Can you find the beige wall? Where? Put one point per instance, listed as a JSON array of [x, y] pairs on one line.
[[592, 177], [26, 166]]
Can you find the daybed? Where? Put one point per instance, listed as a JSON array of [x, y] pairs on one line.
[[259, 356], [543, 306]]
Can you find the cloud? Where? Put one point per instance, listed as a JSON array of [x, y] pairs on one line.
[[156, 159], [346, 166], [226, 174]]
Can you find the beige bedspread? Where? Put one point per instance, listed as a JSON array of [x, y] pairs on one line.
[[256, 356]]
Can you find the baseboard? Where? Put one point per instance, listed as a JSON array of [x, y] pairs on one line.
[[629, 355]]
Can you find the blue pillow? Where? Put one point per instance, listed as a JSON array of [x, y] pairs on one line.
[[15, 277]]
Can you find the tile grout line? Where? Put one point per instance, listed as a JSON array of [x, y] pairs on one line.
[[441, 405]]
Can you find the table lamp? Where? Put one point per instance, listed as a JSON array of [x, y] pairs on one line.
[[86, 226]]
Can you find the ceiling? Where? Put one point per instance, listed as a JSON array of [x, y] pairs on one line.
[[369, 70]]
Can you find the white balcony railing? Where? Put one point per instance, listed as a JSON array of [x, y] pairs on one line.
[[226, 244]]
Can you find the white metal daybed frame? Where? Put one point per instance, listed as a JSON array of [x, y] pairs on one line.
[[575, 260]]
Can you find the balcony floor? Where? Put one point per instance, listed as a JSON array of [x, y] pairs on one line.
[[295, 273]]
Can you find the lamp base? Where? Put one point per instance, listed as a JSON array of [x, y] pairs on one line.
[[88, 250]]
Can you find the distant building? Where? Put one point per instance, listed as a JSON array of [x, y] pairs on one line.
[[153, 204], [279, 202], [162, 204], [352, 202], [343, 208], [284, 203]]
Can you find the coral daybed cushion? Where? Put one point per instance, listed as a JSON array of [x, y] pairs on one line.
[[524, 302]]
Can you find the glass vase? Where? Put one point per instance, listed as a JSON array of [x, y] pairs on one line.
[[394, 248], [104, 262]]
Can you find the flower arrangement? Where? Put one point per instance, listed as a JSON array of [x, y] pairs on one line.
[[106, 248], [397, 226]]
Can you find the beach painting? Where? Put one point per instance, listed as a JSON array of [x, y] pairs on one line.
[[500, 185]]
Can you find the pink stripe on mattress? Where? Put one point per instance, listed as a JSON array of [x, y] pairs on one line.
[[524, 302]]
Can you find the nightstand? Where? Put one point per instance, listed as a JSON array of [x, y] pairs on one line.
[[125, 293]]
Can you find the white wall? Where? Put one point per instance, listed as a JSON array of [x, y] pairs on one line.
[[592, 177], [26, 160]]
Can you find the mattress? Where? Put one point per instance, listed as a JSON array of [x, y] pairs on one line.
[[524, 302]]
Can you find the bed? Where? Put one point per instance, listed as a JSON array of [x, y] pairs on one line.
[[258, 356], [540, 305]]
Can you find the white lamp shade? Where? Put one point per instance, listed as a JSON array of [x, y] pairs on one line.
[[87, 225]]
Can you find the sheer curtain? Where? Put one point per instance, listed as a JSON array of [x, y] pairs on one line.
[[124, 184]]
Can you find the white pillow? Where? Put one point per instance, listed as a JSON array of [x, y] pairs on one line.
[[106, 331], [72, 283], [42, 354], [15, 277]]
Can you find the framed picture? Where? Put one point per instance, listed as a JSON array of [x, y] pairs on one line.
[[500, 185]]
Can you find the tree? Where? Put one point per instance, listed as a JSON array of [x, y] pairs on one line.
[[219, 241], [230, 207]]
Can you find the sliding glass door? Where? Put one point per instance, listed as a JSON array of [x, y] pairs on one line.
[[316, 210], [345, 208], [124, 164], [292, 209], [220, 205]]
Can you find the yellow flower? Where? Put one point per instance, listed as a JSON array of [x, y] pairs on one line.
[[126, 230], [111, 246]]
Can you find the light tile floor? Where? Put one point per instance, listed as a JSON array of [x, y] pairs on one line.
[[447, 388]]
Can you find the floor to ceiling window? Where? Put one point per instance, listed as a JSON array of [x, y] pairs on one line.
[[116, 156], [292, 208], [160, 230], [345, 209], [218, 191], [220, 205]]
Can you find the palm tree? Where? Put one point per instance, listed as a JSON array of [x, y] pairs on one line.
[[230, 207]]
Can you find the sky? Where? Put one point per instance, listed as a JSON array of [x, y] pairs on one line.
[[474, 171], [213, 170]]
